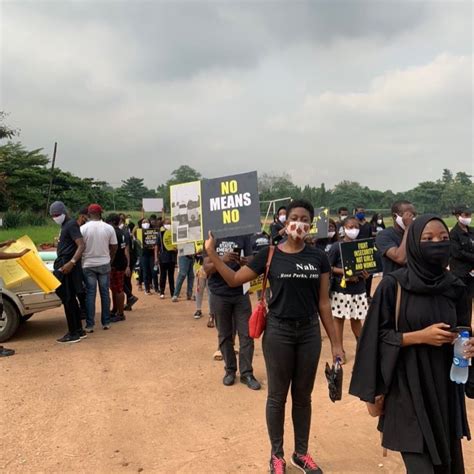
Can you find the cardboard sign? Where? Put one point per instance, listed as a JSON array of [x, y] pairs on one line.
[[231, 205], [186, 212], [147, 237], [152, 204], [320, 227], [257, 284], [185, 250], [358, 256], [168, 241]]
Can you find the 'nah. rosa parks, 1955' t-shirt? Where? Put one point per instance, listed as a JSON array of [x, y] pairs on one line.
[[295, 280]]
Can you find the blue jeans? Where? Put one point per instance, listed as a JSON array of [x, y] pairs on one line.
[[94, 275], [186, 269]]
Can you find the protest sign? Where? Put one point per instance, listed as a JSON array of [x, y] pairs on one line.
[[147, 237], [320, 227], [187, 249], [358, 256], [230, 205], [186, 215], [152, 204], [168, 241]]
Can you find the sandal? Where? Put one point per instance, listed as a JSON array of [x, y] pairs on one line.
[[210, 322], [218, 355]]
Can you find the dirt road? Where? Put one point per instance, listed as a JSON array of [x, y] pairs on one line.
[[147, 396]]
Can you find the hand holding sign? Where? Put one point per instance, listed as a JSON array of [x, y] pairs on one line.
[[210, 244]]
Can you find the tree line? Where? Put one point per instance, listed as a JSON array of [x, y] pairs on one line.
[[25, 178]]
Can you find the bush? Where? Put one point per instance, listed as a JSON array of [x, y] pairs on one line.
[[13, 220]]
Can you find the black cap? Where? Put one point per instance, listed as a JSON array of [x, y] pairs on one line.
[[461, 208]]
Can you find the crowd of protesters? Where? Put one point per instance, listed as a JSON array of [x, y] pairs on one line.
[[425, 294]]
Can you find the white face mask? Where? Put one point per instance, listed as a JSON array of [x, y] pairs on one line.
[[352, 233], [167, 226], [380, 221], [400, 222], [59, 219], [331, 234], [121, 226], [298, 230], [282, 218], [465, 220], [343, 218], [146, 225]]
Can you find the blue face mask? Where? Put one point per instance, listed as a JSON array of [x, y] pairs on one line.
[[360, 215]]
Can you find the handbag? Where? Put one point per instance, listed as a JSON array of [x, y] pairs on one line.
[[334, 376], [258, 319]]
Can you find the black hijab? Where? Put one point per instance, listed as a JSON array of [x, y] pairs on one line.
[[419, 276]]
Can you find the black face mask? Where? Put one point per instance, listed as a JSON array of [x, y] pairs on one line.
[[436, 253]]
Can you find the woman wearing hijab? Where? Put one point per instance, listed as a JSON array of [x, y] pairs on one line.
[[299, 278], [403, 362]]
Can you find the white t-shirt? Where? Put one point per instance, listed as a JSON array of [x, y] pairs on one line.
[[97, 237]]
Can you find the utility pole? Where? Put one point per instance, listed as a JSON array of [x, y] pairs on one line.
[[51, 177]]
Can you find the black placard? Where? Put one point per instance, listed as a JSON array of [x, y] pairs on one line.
[[357, 256]]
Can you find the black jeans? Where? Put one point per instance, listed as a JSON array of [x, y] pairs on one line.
[[150, 276], [234, 312], [291, 351], [69, 297], [167, 270]]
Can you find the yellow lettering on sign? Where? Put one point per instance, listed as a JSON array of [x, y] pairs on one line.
[[229, 187], [231, 217]]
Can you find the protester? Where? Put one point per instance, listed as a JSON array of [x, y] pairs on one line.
[[232, 309], [348, 300], [343, 214], [365, 229], [186, 271], [166, 259], [138, 252], [4, 352], [326, 243], [127, 282], [150, 277], [461, 262], [377, 224], [403, 360], [82, 218], [277, 227], [259, 241], [391, 242], [100, 247], [299, 278], [120, 266]]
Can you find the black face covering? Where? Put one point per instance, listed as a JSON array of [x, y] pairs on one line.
[[436, 254], [426, 262]]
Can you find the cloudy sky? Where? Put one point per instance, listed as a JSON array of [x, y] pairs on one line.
[[378, 92]]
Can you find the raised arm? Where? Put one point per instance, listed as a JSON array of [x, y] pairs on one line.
[[213, 263]]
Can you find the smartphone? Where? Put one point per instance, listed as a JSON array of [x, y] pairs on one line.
[[237, 250]]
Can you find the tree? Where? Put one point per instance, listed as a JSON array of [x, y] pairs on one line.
[[132, 191], [184, 174], [5, 130], [447, 176], [463, 179]]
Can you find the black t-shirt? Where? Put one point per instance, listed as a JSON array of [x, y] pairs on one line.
[[217, 284], [294, 280], [165, 256], [385, 240], [259, 241], [120, 259], [352, 288], [67, 247], [365, 231]]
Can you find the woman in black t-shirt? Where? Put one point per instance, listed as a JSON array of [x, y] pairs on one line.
[[299, 278]]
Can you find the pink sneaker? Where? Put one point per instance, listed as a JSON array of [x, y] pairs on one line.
[[277, 465]]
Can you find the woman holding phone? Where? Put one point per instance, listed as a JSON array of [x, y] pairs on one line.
[[299, 278], [403, 360]]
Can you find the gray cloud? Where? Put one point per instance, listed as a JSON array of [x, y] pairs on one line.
[[326, 91]]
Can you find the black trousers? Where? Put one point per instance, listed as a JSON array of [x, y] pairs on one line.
[[291, 352], [167, 271], [234, 312], [421, 463], [69, 297]]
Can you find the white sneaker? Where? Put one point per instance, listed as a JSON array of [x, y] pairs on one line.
[[162, 297], [174, 299]]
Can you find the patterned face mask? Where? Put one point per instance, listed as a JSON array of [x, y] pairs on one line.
[[297, 230]]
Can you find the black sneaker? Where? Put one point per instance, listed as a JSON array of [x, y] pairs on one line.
[[106, 327], [117, 318], [229, 379], [305, 463], [4, 352], [68, 339], [82, 334], [277, 465], [131, 301], [198, 314], [251, 382]]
